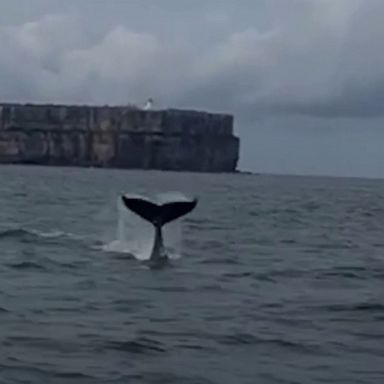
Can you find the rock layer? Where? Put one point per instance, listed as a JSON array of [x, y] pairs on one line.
[[118, 137]]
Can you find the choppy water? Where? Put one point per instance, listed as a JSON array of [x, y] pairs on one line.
[[280, 280]]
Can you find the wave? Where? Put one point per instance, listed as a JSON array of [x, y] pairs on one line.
[[26, 265], [239, 339], [138, 244], [140, 252], [20, 232], [39, 374], [371, 307], [15, 233], [141, 345], [72, 375]]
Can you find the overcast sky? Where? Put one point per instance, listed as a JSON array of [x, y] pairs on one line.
[[303, 78]]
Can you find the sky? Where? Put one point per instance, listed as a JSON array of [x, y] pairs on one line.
[[304, 79]]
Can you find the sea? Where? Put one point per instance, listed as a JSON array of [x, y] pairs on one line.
[[272, 279]]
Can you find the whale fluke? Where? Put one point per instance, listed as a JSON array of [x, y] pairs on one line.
[[159, 214]]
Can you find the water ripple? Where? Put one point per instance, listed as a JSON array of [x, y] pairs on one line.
[[279, 281]]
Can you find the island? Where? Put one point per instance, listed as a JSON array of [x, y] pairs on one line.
[[117, 137]]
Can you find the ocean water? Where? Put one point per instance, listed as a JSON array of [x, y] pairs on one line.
[[274, 279]]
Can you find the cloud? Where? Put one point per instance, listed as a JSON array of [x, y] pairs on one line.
[[114, 69], [319, 58], [32, 54], [294, 67], [52, 60]]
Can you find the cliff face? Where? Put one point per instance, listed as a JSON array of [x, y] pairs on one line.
[[122, 137]]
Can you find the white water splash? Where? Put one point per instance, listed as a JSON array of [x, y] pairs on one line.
[[135, 236]]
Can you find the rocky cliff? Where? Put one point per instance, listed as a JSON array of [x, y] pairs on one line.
[[120, 137]]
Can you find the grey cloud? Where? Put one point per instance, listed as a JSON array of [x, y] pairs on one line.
[[311, 57], [353, 101]]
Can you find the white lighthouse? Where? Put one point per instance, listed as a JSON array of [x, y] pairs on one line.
[[149, 104]]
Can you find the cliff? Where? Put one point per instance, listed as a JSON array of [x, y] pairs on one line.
[[119, 137]]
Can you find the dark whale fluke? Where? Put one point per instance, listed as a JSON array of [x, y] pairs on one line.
[[159, 214]]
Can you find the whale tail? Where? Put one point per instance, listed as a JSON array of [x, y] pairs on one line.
[[158, 214]]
